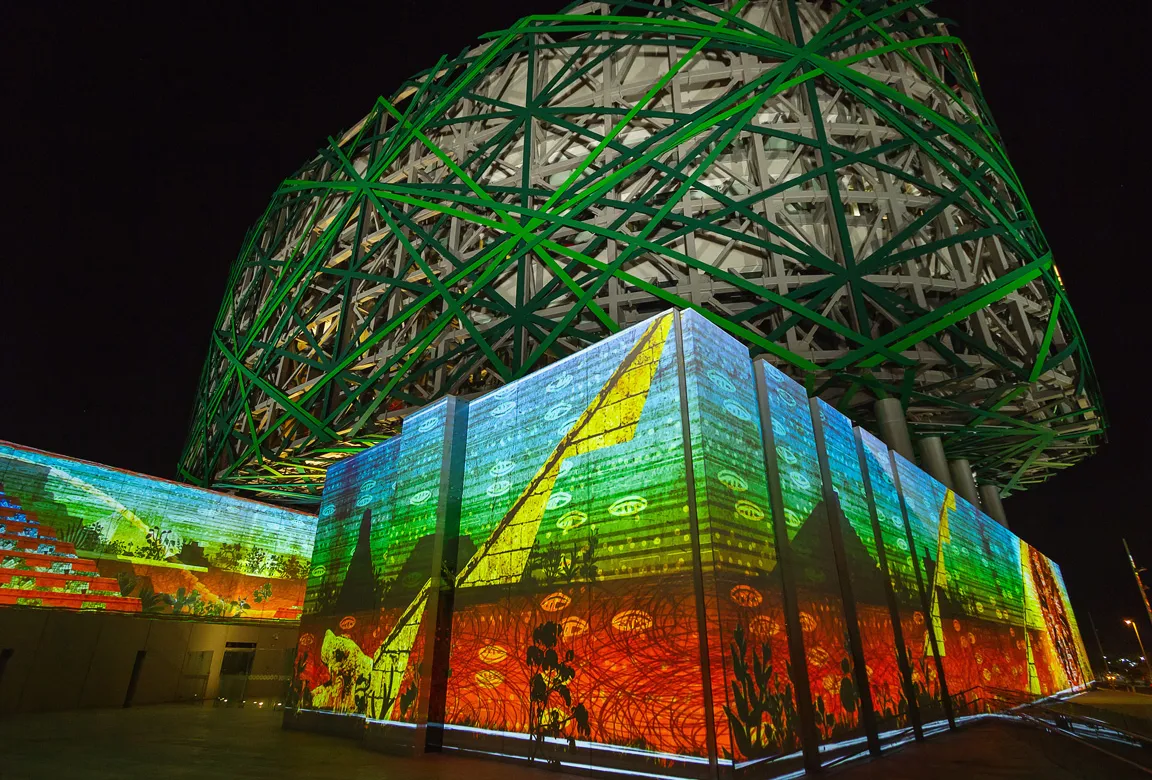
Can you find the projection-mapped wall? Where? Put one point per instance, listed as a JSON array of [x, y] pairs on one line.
[[82, 536], [658, 557]]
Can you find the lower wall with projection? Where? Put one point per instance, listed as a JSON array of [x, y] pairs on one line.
[[78, 535], [657, 557], [116, 587]]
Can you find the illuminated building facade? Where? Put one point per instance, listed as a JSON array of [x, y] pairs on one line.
[[79, 535], [659, 557]]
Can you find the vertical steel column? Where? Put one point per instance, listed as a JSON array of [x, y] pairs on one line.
[[894, 427], [444, 562], [890, 595], [836, 522], [990, 499], [963, 482], [933, 460], [809, 735], [925, 599], [697, 559]]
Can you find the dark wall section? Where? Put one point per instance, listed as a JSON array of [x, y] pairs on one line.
[[63, 660]]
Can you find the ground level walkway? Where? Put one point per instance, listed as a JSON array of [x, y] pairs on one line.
[[175, 741]]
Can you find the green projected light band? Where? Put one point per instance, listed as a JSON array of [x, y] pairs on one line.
[[660, 558]]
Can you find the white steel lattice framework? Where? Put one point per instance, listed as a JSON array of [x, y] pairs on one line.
[[821, 179]]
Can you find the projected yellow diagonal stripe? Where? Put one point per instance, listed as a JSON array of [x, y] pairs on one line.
[[609, 419]]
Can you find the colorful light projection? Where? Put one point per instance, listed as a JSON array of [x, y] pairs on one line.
[[903, 590], [83, 536], [881, 689], [754, 701], [388, 528], [659, 558], [810, 569], [576, 625]]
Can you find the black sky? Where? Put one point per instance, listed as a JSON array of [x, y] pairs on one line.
[[145, 138]]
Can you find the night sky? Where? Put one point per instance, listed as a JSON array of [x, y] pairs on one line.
[[145, 143]]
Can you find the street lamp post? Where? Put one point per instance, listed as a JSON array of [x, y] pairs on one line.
[[1147, 662]]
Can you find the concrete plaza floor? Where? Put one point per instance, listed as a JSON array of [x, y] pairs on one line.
[[181, 741], [995, 749]]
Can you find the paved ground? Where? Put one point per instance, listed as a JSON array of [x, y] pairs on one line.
[[1136, 704], [994, 749], [1130, 712], [174, 741], [185, 741]]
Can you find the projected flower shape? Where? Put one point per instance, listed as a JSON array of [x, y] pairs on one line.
[[554, 602]]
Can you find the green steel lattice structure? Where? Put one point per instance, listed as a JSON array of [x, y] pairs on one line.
[[822, 180]]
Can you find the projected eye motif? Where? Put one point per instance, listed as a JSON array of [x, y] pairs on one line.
[[559, 383], [902, 544], [737, 411], [801, 481], [492, 654], [749, 511], [746, 596], [368, 486], [428, 425], [554, 602], [420, 497], [319, 571], [364, 500], [788, 456], [489, 678], [573, 626], [788, 400], [628, 506], [732, 481], [558, 499], [631, 620], [570, 520], [762, 625], [498, 488], [503, 408], [327, 510], [307, 640], [557, 411], [412, 579], [723, 384], [818, 656], [348, 623], [808, 623], [502, 468]]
